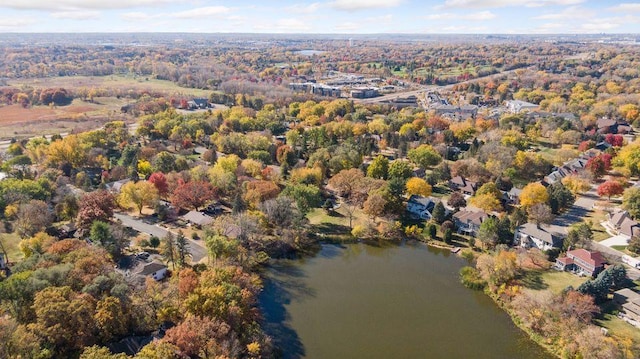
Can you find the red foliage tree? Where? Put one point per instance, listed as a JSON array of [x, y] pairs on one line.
[[610, 188], [192, 194], [159, 180], [204, 337], [614, 140], [95, 206], [585, 145], [599, 165]]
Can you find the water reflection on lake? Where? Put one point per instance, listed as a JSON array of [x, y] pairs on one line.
[[388, 301]]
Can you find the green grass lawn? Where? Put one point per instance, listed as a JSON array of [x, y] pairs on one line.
[[10, 242], [557, 281], [618, 327]]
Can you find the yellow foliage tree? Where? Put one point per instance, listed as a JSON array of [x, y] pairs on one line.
[[138, 195], [576, 184], [418, 186], [532, 194], [487, 202]]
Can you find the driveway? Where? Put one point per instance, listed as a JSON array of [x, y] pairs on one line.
[[196, 248], [578, 211], [616, 241]]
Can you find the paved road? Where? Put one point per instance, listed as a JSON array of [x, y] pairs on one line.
[[580, 209], [197, 249]]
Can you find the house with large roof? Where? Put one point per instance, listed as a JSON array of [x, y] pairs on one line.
[[581, 261], [621, 222], [629, 302], [155, 270], [421, 207], [468, 222], [459, 183], [530, 235]]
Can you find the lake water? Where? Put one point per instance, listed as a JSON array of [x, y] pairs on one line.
[[309, 52], [363, 301]]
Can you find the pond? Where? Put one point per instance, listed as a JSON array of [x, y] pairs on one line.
[[365, 301]]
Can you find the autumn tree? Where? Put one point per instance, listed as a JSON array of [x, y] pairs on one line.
[[487, 201], [33, 217], [532, 194], [631, 201], [159, 181], [599, 165], [457, 201], [418, 186], [424, 156], [374, 206], [610, 188], [378, 168], [628, 159], [400, 169], [306, 197], [540, 213], [138, 194], [95, 206], [192, 194], [346, 181], [576, 184], [64, 319], [204, 337]]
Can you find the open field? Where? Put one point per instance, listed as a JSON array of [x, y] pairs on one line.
[[19, 122], [556, 281], [114, 82]]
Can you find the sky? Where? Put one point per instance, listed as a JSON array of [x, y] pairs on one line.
[[326, 17]]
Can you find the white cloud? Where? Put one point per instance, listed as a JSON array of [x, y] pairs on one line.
[[626, 7], [136, 16], [13, 23], [208, 11], [355, 5], [570, 13], [477, 16], [505, 3], [76, 15], [304, 8], [79, 4]]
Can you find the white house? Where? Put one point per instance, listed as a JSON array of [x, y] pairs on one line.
[[420, 207], [530, 235], [157, 271], [517, 106]]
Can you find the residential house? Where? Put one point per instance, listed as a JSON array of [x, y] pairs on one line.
[[420, 207], [517, 106], [629, 301], [115, 187], [624, 225], [157, 271], [197, 218], [530, 235], [459, 183], [468, 222], [608, 125], [581, 260], [512, 196]]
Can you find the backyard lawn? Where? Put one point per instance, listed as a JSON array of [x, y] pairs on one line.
[[558, 281]]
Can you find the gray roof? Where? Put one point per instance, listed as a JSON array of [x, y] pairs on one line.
[[198, 218], [152, 268], [539, 232]]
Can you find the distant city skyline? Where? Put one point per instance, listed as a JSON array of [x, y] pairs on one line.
[[325, 17]]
